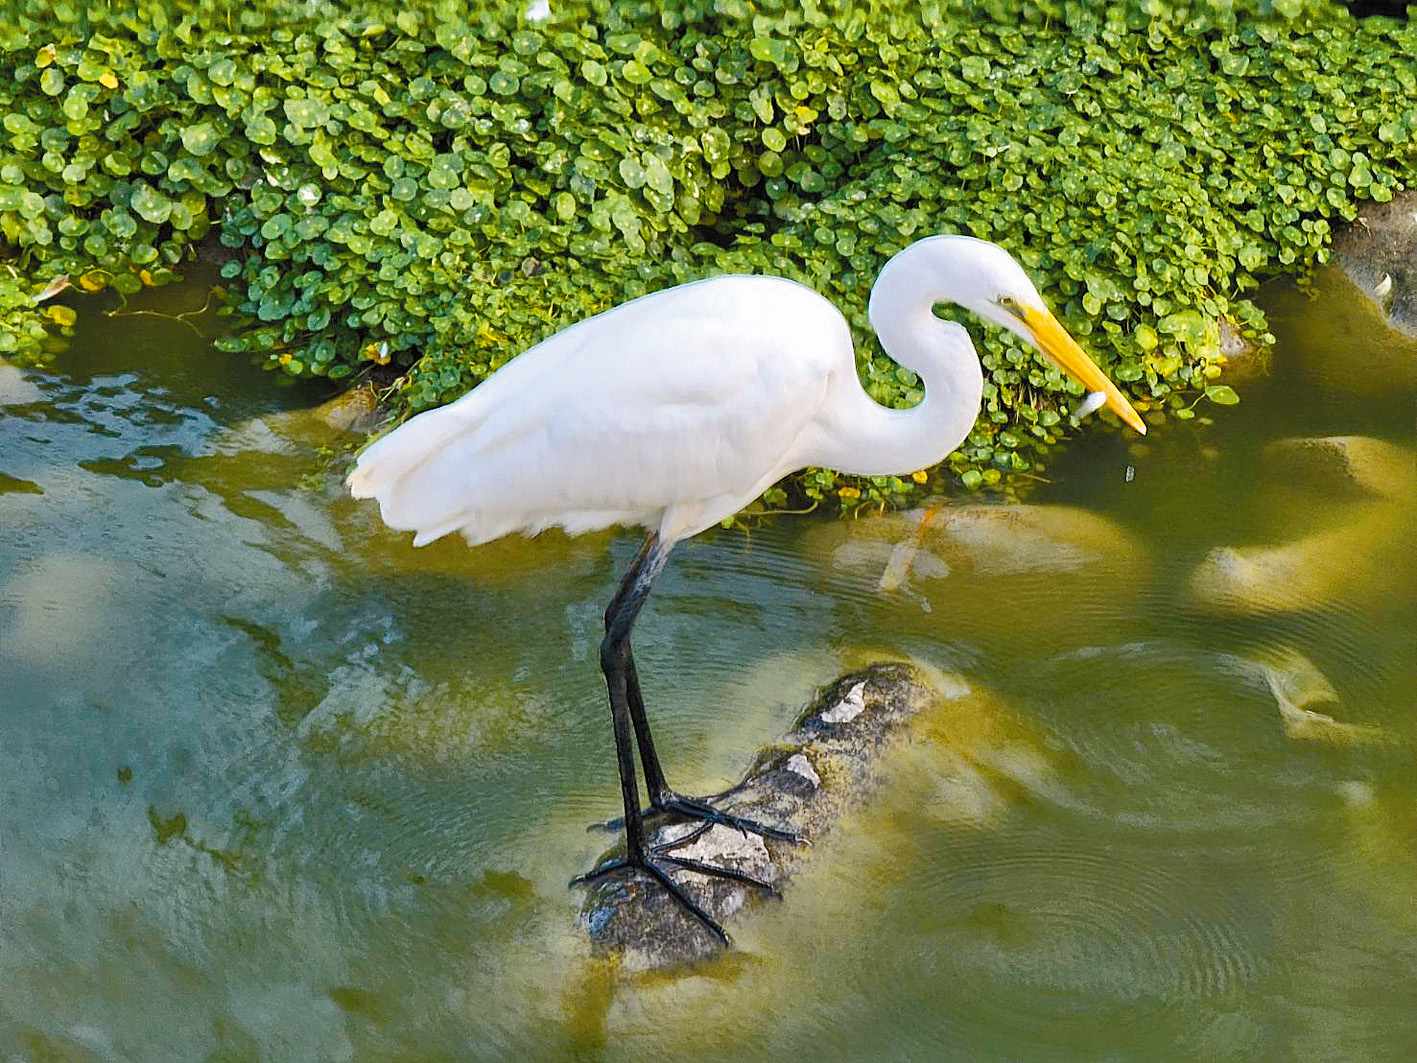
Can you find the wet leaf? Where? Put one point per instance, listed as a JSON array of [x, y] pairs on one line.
[[306, 113], [259, 130], [150, 204], [200, 139], [769, 50]]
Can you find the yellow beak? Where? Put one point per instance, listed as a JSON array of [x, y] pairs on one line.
[[1055, 342]]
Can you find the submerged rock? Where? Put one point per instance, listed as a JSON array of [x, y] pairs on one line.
[[957, 749], [986, 573], [356, 410], [1360, 564], [1357, 466], [990, 540], [1358, 557], [1243, 360], [1296, 683]]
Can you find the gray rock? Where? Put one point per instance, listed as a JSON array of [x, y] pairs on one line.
[[821, 768], [955, 753], [1337, 339], [1378, 251]]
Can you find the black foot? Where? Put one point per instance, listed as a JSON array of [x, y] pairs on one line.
[[699, 808], [650, 865], [694, 808]]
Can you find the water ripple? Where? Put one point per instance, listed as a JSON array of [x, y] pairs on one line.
[[1041, 936]]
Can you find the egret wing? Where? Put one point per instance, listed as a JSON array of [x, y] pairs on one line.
[[687, 400]]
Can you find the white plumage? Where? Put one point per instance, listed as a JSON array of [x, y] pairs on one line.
[[662, 410], [675, 410]]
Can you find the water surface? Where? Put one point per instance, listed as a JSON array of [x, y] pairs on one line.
[[275, 786]]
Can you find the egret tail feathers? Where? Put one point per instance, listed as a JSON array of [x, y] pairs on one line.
[[408, 446], [412, 472]]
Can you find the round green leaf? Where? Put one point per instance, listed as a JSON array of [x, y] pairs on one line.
[[306, 113], [200, 139], [222, 72], [260, 130], [442, 174], [716, 144], [76, 102], [150, 204], [769, 50], [383, 223], [276, 226], [120, 223], [975, 68], [632, 172]]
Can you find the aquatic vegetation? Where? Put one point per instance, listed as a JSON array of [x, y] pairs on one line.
[[436, 186]]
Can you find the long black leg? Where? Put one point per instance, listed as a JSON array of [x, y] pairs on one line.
[[659, 791], [627, 711], [649, 759], [618, 666], [664, 800], [616, 663]]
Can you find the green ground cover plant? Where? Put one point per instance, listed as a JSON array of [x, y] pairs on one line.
[[435, 186]]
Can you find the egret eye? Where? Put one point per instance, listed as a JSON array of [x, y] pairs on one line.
[[1009, 303]]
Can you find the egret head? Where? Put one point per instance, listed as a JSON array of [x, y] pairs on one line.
[[984, 278]]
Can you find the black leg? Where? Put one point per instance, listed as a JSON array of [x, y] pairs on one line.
[[627, 711], [659, 791], [663, 800], [618, 666], [649, 759]]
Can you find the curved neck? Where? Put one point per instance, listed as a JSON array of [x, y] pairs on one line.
[[868, 439]]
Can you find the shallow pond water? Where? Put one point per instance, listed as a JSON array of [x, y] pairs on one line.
[[276, 786]]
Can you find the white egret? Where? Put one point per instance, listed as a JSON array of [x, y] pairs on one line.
[[677, 409]]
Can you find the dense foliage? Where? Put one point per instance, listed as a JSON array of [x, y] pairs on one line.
[[437, 185]]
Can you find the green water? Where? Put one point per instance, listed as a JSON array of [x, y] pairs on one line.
[[275, 786]]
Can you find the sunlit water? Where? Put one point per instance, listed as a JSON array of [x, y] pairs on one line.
[[275, 786]]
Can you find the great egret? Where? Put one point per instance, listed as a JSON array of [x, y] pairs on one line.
[[675, 410]]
